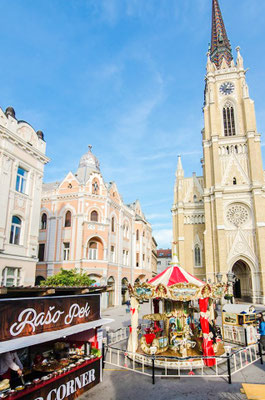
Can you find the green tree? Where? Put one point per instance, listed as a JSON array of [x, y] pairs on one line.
[[68, 278]]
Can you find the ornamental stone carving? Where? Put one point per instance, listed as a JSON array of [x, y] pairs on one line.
[[237, 214]]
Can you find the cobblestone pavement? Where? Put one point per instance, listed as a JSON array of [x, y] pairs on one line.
[[119, 384]]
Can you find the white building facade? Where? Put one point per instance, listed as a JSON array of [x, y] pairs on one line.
[[22, 160]]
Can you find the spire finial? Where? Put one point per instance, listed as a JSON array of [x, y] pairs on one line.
[[89, 147], [220, 45]]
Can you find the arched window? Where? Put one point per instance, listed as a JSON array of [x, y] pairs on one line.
[[229, 120], [234, 181], [94, 216], [112, 224], [68, 218], [95, 187], [43, 221], [15, 230], [197, 255], [137, 234], [93, 251]]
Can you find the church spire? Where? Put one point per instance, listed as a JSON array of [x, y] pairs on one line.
[[220, 46]]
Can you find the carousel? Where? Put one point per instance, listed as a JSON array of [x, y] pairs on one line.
[[181, 330]]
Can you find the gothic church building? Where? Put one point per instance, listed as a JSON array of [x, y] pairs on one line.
[[219, 218]]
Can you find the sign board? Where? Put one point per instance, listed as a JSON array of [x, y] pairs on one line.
[[31, 316], [68, 387]]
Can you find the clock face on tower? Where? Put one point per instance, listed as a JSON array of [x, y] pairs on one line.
[[227, 88]]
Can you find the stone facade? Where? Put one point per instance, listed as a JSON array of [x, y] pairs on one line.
[[22, 159], [84, 224], [219, 218]]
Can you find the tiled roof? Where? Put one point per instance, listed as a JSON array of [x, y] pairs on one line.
[[220, 46], [164, 253]]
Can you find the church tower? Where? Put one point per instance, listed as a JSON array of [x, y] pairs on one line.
[[233, 199]]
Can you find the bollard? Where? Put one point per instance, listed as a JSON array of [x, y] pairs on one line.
[[153, 370], [229, 368], [246, 337], [103, 355], [260, 352]]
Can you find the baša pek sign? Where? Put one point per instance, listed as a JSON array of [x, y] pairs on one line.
[[31, 316], [68, 387]]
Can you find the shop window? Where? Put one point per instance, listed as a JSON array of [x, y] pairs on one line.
[[68, 219], [66, 251], [44, 221], [197, 255], [15, 230], [94, 216], [93, 251], [41, 252], [21, 181], [11, 276]]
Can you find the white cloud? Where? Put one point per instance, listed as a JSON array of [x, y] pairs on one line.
[[163, 237], [158, 216]]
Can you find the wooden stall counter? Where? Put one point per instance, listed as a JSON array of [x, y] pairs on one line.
[[68, 385]]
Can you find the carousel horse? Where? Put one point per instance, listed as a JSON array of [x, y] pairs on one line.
[[161, 345]]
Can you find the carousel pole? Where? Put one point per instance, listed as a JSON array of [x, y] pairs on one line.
[[133, 338]]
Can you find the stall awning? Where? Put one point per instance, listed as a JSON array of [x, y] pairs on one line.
[[19, 343]]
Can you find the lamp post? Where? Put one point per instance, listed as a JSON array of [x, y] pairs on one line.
[[219, 278], [231, 278]]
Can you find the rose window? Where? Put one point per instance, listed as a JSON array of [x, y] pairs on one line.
[[237, 214]]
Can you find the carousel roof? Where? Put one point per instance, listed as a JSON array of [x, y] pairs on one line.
[[173, 275]]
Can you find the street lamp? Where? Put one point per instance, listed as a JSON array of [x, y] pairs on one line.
[[219, 277], [231, 278]]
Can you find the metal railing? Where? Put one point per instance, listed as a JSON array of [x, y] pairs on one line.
[[193, 367]]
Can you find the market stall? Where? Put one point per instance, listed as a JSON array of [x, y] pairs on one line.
[[58, 339], [239, 324], [177, 297]]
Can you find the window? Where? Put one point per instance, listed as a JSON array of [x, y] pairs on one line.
[[234, 181], [66, 251], [43, 221], [137, 259], [143, 257], [143, 233], [124, 257], [41, 251], [229, 120], [95, 187], [112, 224], [93, 251], [11, 276], [21, 180], [68, 218], [94, 216], [112, 253], [137, 234], [197, 255], [15, 230]]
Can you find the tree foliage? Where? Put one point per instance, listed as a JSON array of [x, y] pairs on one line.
[[68, 278]]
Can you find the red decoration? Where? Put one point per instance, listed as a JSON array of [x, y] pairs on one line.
[[132, 310], [130, 328], [207, 345], [191, 373]]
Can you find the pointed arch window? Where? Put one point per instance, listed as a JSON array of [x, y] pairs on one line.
[[229, 120], [112, 224], [197, 255], [68, 219], [94, 216], [43, 221]]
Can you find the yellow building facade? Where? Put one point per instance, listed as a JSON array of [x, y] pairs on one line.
[[219, 218]]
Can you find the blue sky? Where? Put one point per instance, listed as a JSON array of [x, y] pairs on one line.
[[126, 76]]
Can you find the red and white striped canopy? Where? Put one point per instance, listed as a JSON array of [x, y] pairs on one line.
[[173, 275]]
